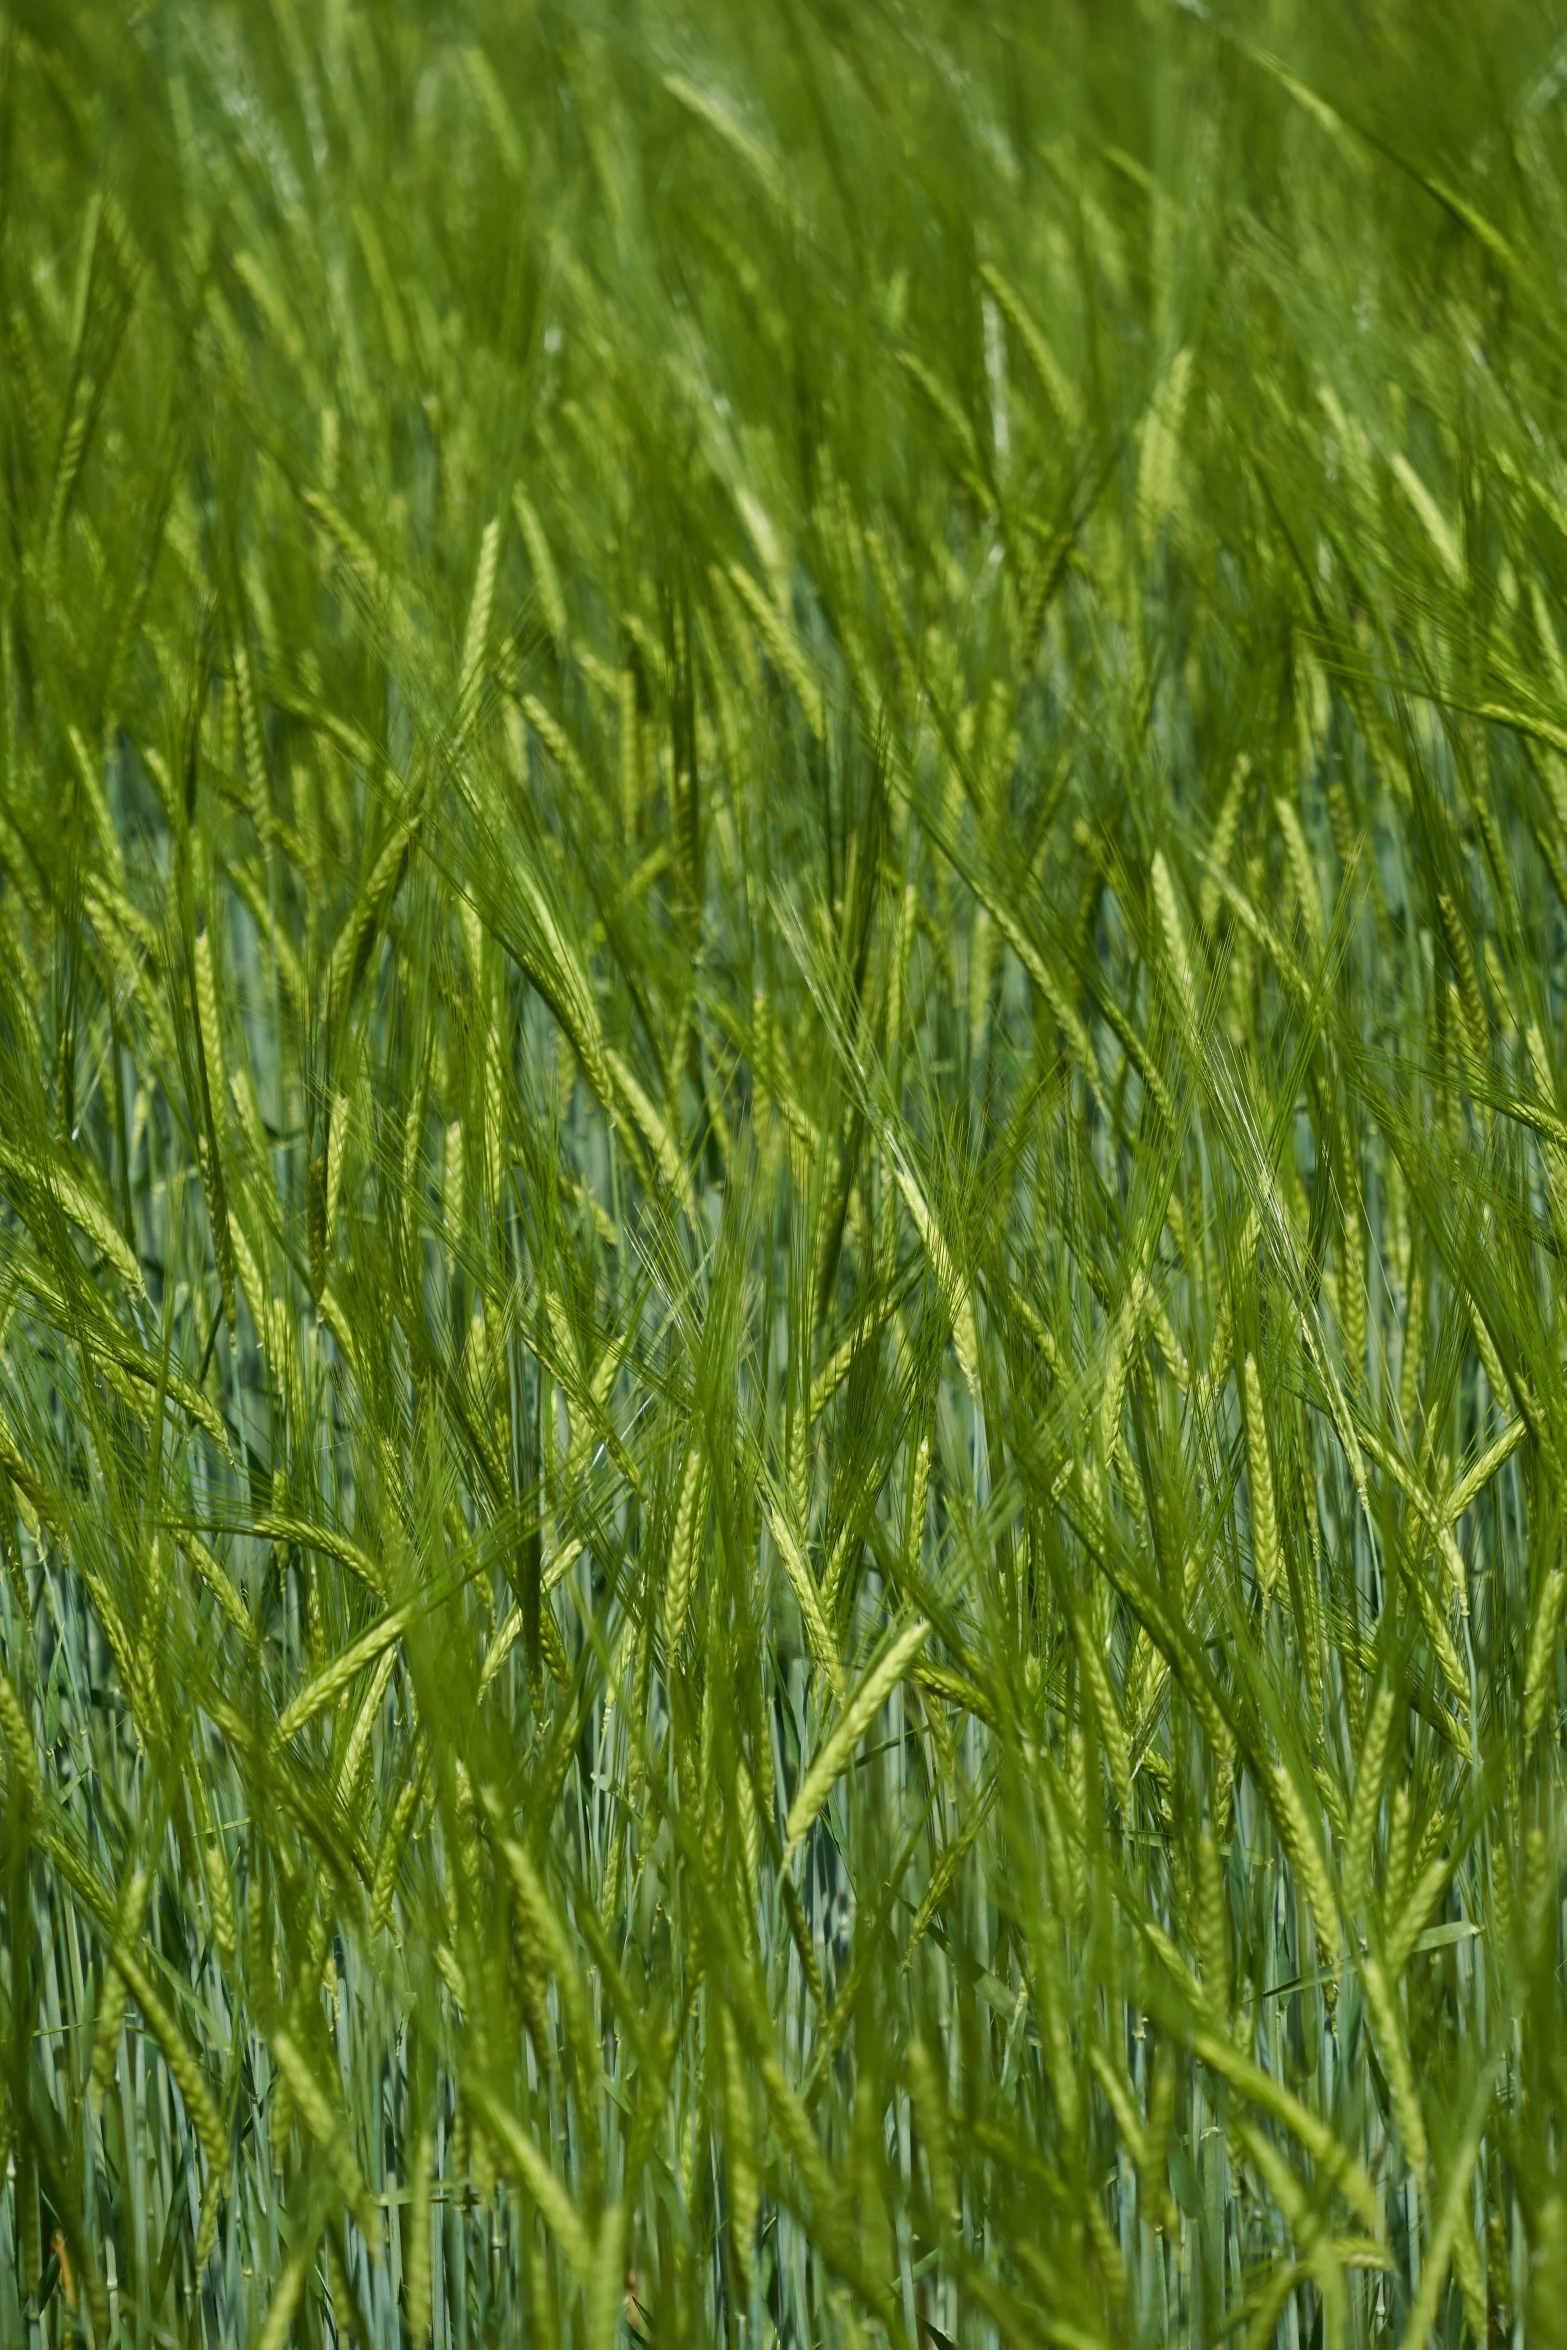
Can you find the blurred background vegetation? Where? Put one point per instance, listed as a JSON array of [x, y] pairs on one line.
[[783, 1132]]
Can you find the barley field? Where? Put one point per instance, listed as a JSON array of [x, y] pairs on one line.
[[783, 1174]]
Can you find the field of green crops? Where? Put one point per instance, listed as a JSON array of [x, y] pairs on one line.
[[783, 1174]]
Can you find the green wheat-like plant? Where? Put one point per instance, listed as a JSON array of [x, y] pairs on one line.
[[783, 1174]]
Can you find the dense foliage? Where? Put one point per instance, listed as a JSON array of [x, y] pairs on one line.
[[783, 1135]]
